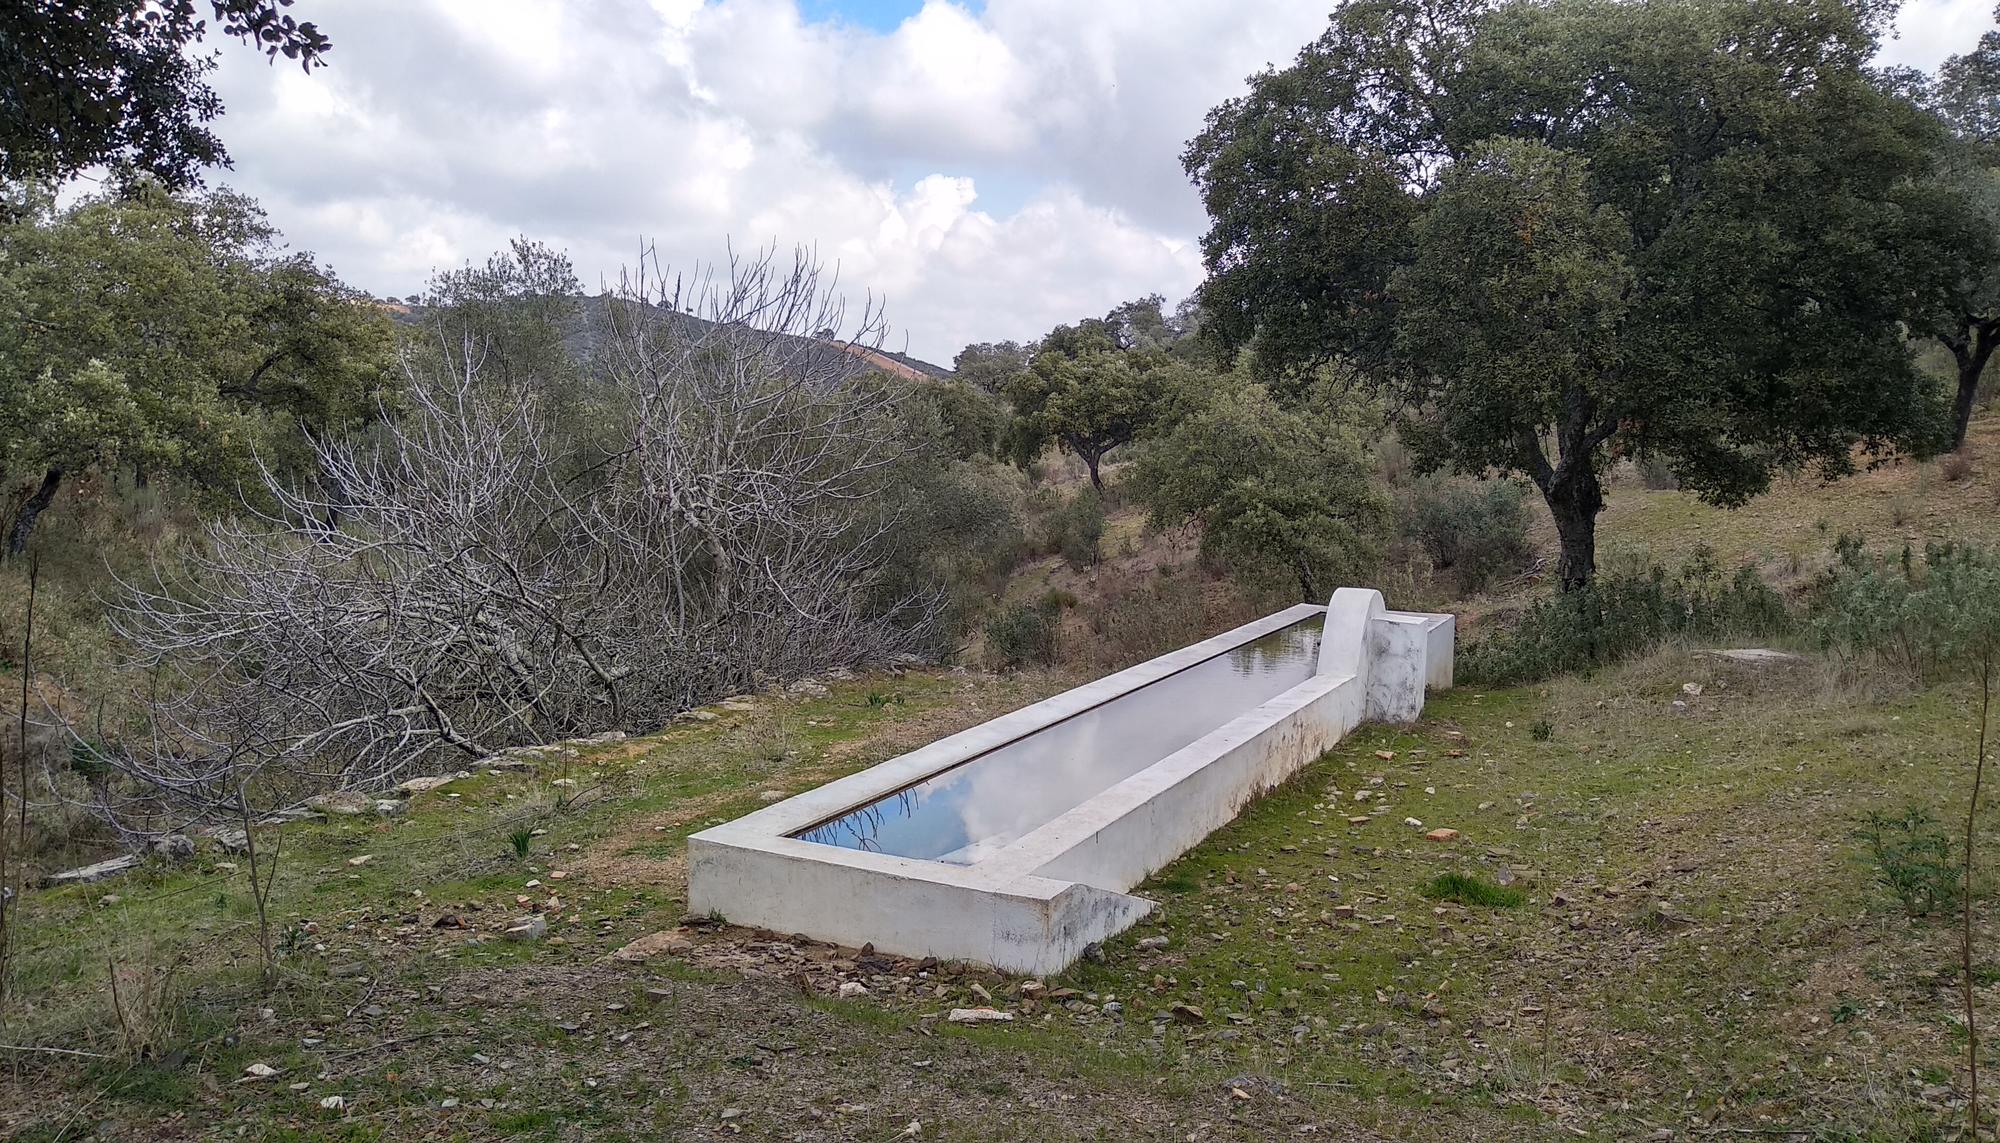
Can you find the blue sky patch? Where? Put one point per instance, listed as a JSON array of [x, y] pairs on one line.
[[880, 15]]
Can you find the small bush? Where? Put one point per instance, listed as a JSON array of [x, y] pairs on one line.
[[1076, 530], [1956, 466], [1542, 730], [1620, 615], [1911, 857], [1147, 619], [1022, 633], [1469, 890], [1476, 533], [521, 839]]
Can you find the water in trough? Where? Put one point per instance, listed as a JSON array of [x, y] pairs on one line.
[[985, 802]]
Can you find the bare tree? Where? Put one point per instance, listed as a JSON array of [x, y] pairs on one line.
[[478, 576]]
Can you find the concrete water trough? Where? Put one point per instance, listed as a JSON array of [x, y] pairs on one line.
[[1015, 843]]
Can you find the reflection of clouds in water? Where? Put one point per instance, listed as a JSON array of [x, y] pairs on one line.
[[961, 815]]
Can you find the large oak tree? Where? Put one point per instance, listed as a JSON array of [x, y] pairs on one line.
[[168, 336], [1563, 232], [121, 82]]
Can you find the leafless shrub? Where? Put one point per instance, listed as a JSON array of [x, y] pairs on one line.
[[1956, 466], [474, 579], [146, 1004]]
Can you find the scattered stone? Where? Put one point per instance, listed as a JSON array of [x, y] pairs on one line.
[[259, 1071], [171, 847], [696, 716], [360, 859], [851, 989], [737, 705], [84, 875], [1386, 755], [1442, 834], [770, 795], [1359, 819], [348, 970], [979, 1016], [1187, 1014], [334, 1103], [1153, 944], [655, 944], [388, 808], [979, 990], [109, 899], [527, 929], [1692, 690], [1413, 823], [413, 786], [342, 803], [1033, 989]]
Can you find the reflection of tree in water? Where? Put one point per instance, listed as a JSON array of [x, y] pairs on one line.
[[862, 828], [1279, 649]]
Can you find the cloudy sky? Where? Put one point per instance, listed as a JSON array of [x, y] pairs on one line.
[[990, 169]]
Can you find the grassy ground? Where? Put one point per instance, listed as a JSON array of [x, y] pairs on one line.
[[1699, 950]]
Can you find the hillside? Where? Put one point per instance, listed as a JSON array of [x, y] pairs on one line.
[[1698, 953], [588, 333]]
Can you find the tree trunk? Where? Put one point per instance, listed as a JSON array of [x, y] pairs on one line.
[[1971, 354], [1090, 460], [1574, 499], [24, 520], [1308, 586]]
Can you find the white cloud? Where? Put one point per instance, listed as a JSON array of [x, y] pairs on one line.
[[992, 170]]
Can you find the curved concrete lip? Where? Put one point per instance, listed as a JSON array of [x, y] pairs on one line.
[[1033, 903]]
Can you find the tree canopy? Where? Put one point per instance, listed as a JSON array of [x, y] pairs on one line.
[[169, 335], [1280, 493], [1088, 392], [1562, 232], [84, 82], [1964, 207]]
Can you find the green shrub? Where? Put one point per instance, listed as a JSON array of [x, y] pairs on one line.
[[1916, 615], [1076, 530], [1911, 857], [1469, 890], [1620, 615], [1023, 633], [1476, 533]]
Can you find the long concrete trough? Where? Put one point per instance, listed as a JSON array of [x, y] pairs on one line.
[[1015, 843]]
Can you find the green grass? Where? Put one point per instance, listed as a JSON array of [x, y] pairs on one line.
[[1469, 890], [1362, 969]]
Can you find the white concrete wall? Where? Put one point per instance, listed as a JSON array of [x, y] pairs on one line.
[[1035, 903]]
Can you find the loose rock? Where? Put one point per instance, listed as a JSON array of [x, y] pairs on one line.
[[655, 944], [526, 929], [979, 1016]]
